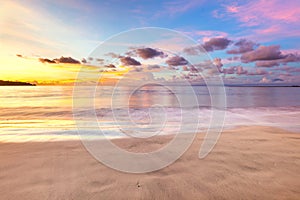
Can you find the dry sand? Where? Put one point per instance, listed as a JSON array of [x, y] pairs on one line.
[[246, 163]]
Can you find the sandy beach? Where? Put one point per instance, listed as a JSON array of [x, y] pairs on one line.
[[201, 100], [246, 163]]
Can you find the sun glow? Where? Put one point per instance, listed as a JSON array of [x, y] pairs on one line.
[[30, 70]]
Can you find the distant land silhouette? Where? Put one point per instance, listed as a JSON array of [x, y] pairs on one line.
[[14, 83]]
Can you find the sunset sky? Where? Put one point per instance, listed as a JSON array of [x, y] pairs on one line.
[[251, 42]]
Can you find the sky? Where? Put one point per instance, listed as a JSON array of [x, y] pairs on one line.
[[247, 41]]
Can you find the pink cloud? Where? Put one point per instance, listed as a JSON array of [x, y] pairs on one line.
[[216, 44], [258, 72], [232, 9], [239, 70], [210, 34], [218, 63], [267, 63], [285, 76], [242, 46], [292, 79], [269, 56], [294, 70], [269, 30], [275, 31], [271, 18], [290, 51], [181, 6], [265, 80], [258, 11], [288, 69], [230, 60], [263, 53], [229, 70], [205, 35], [217, 14]]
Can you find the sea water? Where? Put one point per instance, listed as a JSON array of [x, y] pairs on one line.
[[45, 113]]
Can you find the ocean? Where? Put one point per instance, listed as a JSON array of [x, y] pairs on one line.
[[46, 113]]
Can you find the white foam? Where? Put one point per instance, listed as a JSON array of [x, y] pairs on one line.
[[142, 123]]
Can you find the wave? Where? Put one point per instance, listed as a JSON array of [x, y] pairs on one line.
[[142, 121]]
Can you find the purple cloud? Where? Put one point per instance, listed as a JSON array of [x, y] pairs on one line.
[[229, 70], [46, 60], [195, 50], [100, 60], [129, 61], [277, 80], [218, 63], [176, 61], [286, 59], [210, 45], [258, 72], [233, 58], [263, 53], [150, 67], [83, 60], [267, 63], [239, 70], [216, 44], [113, 55], [242, 46], [110, 66], [66, 60], [147, 53], [288, 69]]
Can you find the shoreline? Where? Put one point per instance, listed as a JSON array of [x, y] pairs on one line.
[[76, 137]]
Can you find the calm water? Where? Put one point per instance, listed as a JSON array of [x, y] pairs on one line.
[[45, 112]]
